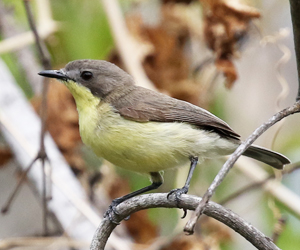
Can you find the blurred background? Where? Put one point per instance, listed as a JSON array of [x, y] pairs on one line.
[[235, 59]]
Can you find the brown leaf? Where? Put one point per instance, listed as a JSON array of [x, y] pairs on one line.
[[229, 71], [226, 24], [167, 66]]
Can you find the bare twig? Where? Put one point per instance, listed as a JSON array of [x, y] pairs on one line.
[[279, 227], [289, 199], [189, 228], [5, 208], [26, 38], [45, 60], [46, 26], [43, 243], [226, 216], [291, 168], [130, 50], [295, 10], [25, 56]]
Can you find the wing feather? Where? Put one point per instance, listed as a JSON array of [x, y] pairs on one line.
[[142, 105]]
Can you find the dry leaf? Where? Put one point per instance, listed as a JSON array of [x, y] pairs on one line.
[[226, 25], [167, 66]]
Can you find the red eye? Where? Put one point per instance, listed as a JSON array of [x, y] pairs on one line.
[[86, 75]]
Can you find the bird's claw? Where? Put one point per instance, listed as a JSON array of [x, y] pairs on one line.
[[178, 192], [111, 212], [184, 213]]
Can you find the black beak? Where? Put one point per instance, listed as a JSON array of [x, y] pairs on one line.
[[58, 74]]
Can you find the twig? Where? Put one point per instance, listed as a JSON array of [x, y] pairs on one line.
[[26, 57], [43, 243], [43, 53], [289, 199], [216, 211], [5, 208], [45, 60], [41, 154], [130, 51], [295, 10], [189, 228], [291, 168], [26, 38], [279, 227]]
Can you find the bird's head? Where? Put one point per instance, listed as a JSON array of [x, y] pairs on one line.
[[91, 77]]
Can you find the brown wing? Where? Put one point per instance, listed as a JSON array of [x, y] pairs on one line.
[[142, 105]]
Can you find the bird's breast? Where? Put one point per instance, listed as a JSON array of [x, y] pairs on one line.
[[143, 147]]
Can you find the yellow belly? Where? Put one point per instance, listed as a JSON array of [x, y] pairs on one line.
[[144, 147]]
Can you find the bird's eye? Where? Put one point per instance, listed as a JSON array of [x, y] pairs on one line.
[[86, 75]]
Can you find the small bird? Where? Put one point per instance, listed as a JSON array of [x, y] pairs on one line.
[[145, 131]]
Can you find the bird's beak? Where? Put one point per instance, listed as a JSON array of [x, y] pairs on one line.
[[58, 74]]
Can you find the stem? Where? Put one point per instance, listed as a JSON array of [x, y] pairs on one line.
[[295, 10], [45, 60]]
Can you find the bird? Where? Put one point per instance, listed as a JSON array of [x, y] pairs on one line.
[[145, 131]]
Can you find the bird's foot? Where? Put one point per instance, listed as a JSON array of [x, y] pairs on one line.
[[178, 192], [111, 212]]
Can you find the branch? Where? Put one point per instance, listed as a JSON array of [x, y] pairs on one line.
[[214, 210], [45, 60], [130, 50], [189, 228], [259, 183], [295, 10]]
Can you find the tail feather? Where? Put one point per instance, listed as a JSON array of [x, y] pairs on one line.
[[267, 156]]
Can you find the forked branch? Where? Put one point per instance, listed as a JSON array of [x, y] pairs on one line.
[[214, 210]]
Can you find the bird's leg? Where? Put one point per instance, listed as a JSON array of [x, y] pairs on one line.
[[179, 191], [156, 179]]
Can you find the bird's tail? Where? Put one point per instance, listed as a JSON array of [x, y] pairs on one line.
[[267, 156]]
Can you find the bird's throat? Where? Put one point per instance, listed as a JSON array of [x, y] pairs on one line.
[[83, 97]]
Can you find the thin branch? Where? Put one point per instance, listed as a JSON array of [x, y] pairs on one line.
[[9, 201], [279, 228], [45, 60], [214, 210], [295, 108], [289, 169], [42, 243], [17, 42], [295, 10], [131, 52], [43, 53]]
